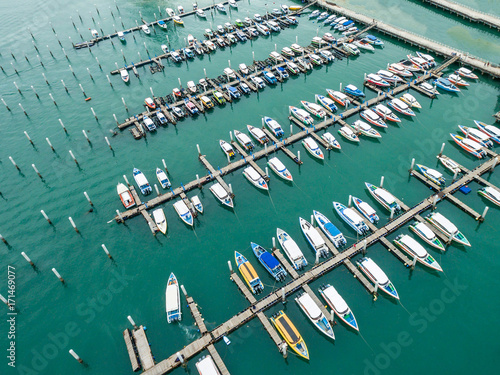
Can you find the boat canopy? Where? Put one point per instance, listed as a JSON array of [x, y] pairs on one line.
[[365, 207], [444, 222], [206, 366], [493, 192], [375, 271], [252, 173], [413, 246], [311, 143], [336, 300], [181, 208], [310, 306], [400, 104], [332, 229], [372, 115], [219, 191], [259, 133], [268, 259], [243, 138], [363, 125], [385, 196], [434, 173], [277, 164], [141, 179], [315, 237], [292, 249], [352, 216], [422, 228]]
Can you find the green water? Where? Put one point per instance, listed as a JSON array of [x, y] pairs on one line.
[[89, 313]]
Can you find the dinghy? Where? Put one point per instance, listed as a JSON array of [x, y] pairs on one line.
[[279, 168], [447, 228], [269, 262], [248, 273], [160, 220], [415, 250], [314, 238], [330, 139], [125, 195], [377, 276], [172, 300], [366, 210], [312, 147], [290, 334], [183, 211], [365, 129], [222, 195], [301, 115], [348, 134], [352, 218], [258, 134], [432, 175], [330, 230], [255, 178], [273, 126], [338, 305], [314, 314], [385, 198], [490, 193], [291, 249], [427, 235], [162, 178], [244, 140], [142, 182]]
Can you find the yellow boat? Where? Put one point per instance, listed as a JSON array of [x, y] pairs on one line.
[[178, 20], [248, 273], [288, 331], [294, 8]]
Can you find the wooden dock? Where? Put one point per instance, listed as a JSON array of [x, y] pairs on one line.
[[129, 342], [281, 145], [250, 160], [288, 267], [310, 132], [270, 329], [215, 174], [395, 251], [218, 360], [198, 318], [243, 289], [315, 298], [143, 348]]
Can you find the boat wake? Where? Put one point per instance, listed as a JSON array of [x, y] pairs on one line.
[[191, 332]]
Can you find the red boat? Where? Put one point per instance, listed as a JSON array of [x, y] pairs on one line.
[[150, 103]]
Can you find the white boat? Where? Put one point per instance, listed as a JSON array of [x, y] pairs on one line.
[[291, 249], [226, 340], [301, 115], [95, 33], [450, 164], [273, 126], [410, 100], [243, 69], [427, 235], [386, 113], [338, 305], [233, 4], [125, 195], [447, 228], [366, 210], [192, 86], [389, 76], [244, 140], [400, 70], [160, 220], [206, 366], [386, 199], [339, 97], [490, 193], [314, 238], [415, 250], [297, 48], [377, 276], [221, 8], [255, 178], [183, 211], [348, 134], [222, 195], [229, 73], [170, 12], [312, 147], [279, 168], [258, 134], [180, 9], [363, 128], [172, 300], [373, 118], [432, 174], [124, 75], [197, 204], [164, 48], [121, 36], [146, 30], [142, 182], [162, 178], [227, 148], [313, 312], [426, 86], [276, 57], [330, 230], [352, 218], [288, 52], [330, 139], [200, 13], [314, 109]]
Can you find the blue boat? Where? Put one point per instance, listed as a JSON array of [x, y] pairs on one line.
[[330, 230], [188, 53], [142, 182], [327, 103], [352, 218], [373, 40], [282, 72], [269, 77], [354, 91], [446, 85], [233, 92], [244, 87], [269, 262]]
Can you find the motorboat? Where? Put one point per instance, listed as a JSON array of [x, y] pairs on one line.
[[191, 108], [162, 178], [330, 230], [323, 16], [207, 103], [229, 73], [338, 305], [377, 276], [195, 200], [386, 199], [377, 80], [228, 27], [348, 134], [164, 48], [257, 17], [432, 175], [327, 55], [400, 70], [329, 19], [200, 13], [314, 109], [363, 45], [366, 210], [373, 40], [318, 41], [273, 26], [276, 57], [352, 218], [290, 334], [221, 8], [365, 129], [162, 24], [184, 213], [427, 87], [416, 251], [297, 49], [282, 72], [188, 54], [239, 23], [262, 29], [464, 72], [222, 195], [350, 31], [172, 300], [328, 103], [389, 76], [315, 59], [269, 77], [178, 112], [160, 220], [209, 33], [269, 262], [457, 80], [386, 113], [447, 228], [233, 4], [314, 238], [312, 147], [476, 135], [150, 103], [328, 37], [469, 145], [249, 274], [180, 9], [301, 115], [244, 87], [401, 107], [427, 235], [279, 168], [244, 140], [351, 48], [314, 314], [206, 364], [258, 134], [410, 65], [314, 14], [450, 164], [490, 130], [410, 100], [291, 249], [490, 193], [192, 87], [273, 126], [233, 92], [142, 182], [125, 195], [373, 118], [304, 63], [339, 97], [124, 75], [178, 20], [428, 58], [292, 67], [330, 139], [121, 36], [219, 98], [191, 40], [354, 91], [446, 85], [287, 52], [175, 56], [258, 82], [170, 12], [227, 148]]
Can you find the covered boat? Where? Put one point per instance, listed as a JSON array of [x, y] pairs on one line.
[[432, 175], [490, 193], [227, 148], [160, 220], [415, 250], [447, 228], [348, 134], [207, 366], [490, 130], [301, 115], [142, 182], [222, 195], [290, 334], [469, 145], [366, 210], [279, 168], [464, 72], [291, 249], [314, 238], [427, 235], [255, 178], [330, 230], [339, 97], [338, 305], [244, 140], [377, 276], [330, 139], [352, 218], [273, 126], [314, 314], [377, 80], [183, 211], [385, 198], [353, 90], [476, 135], [269, 262], [124, 75], [172, 300], [195, 200], [125, 195], [258, 134], [401, 107], [373, 118], [410, 100], [363, 128], [248, 273], [314, 109], [312, 147], [162, 178]]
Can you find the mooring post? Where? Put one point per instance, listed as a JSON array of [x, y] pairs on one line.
[[106, 251], [442, 149], [28, 259], [46, 216], [75, 356], [230, 266], [132, 322], [58, 275]]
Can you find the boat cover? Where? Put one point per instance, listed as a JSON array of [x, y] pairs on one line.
[[332, 229], [269, 260], [207, 366], [290, 333], [310, 306], [414, 246], [335, 299]]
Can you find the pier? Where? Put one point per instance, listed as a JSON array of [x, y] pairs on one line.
[[138, 349]]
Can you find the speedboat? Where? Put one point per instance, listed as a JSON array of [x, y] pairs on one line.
[[304, 63], [273, 126], [164, 48], [175, 56], [456, 80], [285, 9], [338, 20], [244, 140], [386, 113], [170, 12], [301, 115], [180, 9], [447, 228], [415, 250], [124, 75], [373, 118], [490, 130], [315, 14], [446, 85], [279, 168], [253, 32], [385, 198], [248, 273], [314, 109], [239, 23], [233, 4], [229, 73], [348, 134], [183, 211], [291, 20], [228, 27], [326, 102], [125, 195], [269, 262], [315, 315], [450, 164], [218, 97], [150, 103], [427, 235], [146, 30], [400, 70], [257, 17], [263, 29], [148, 123], [401, 107], [282, 73], [197, 204], [243, 69], [162, 24], [292, 67], [287, 52], [242, 37], [464, 72], [273, 26], [227, 148], [222, 195], [258, 134], [200, 13], [326, 55], [315, 59], [410, 65], [188, 54], [172, 300], [330, 139], [352, 218], [191, 40], [312, 147], [206, 364], [291, 249], [469, 145], [330, 19], [191, 108], [351, 48], [353, 30], [142, 182], [318, 42], [354, 91], [269, 77], [339, 97], [410, 100], [330, 230], [178, 20], [233, 92], [221, 8], [377, 276], [209, 33], [377, 80], [314, 238], [373, 40], [430, 59], [491, 194], [365, 129], [207, 103], [160, 220], [162, 178], [342, 25], [366, 210], [432, 175], [290, 334], [323, 16], [389, 77], [338, 305], [364, 45], [178, 112], [257, 81], [276, 57], [328, 37], [244, 87], [418, 61], [476, 135], [297, 49], [192, 86], [427, 87]]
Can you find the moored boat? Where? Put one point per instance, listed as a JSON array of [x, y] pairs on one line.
[[291, 249], [150, 103], [279, 168], [290, 334], [373, 118], [490, 130], [269, 262], [363, 45], [469, 145], [301, 115], [330, 230], [273, 126], [222, 195], [258, 134], [400, 70], [457, 81], [312, 147], [172, 300], [338, 305], [297, 48], [464, 72], [313, 109], [183, 211], [348, 134], [162, 178], [366, 210], [450, 164], [377, 276], [386, 199], [491, 194], [315, 315], [447, 228], [352, 218], [401, 107], [177, 20], [207, 366], [255, 178], [124, 75], [125, 195], [330, 139], [476, 135], [339, 97], [145, 29], [195, 200], [446, 85], [415, 250], [432, 175], [287, 52], [427, 87], [354, 91], [142, 182], [365, 129], [386, 113], [248, 273], [389, 76], [427, 235], [410, 100], [314, 238], [160, 220], [244, 140], [377, 80]]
